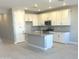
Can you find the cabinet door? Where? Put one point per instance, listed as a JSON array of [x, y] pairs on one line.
[[65, 17], [28, 17], [66, 37], [53, 18], [45, 17], [48, 41], [59, 18], [57, 37], [35, 20], [62, 37], [39, 20]]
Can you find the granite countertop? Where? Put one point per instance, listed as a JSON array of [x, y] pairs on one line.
[[39, 33], [43, 33]]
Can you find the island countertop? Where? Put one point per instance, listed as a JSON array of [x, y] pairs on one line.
[[40, 33]]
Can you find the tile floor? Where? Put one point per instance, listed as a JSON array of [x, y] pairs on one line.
[[22, 51]]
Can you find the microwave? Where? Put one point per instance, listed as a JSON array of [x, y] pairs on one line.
[[48, 22]]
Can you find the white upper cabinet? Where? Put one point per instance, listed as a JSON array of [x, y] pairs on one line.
[[45, 17], [65, 17], [35, 20], [39, 20], [53, 18], [28, 17], [59, 17], [42, 18]]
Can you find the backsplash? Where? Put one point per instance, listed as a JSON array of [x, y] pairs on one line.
[[55, 28]]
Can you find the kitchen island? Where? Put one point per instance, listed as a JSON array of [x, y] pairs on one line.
[[43, 41]]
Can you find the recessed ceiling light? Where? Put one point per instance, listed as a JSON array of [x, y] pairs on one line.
[[39, 10], [50, 1], [64, 4], [35, 5], [50, 7], [26, 8]]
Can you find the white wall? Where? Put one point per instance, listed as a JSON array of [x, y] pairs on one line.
[[6, 27], [3, 11], [19, 25], [74, 24], [12, 25]]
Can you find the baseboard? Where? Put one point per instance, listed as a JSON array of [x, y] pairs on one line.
[[76, 43], [18, 42], [70, 42], [41, 48]]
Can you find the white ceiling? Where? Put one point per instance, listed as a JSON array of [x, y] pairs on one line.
[[42, 4]]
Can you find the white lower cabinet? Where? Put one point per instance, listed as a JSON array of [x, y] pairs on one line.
[[66, 36], [48, 41], [62, 37], [55, 37]]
